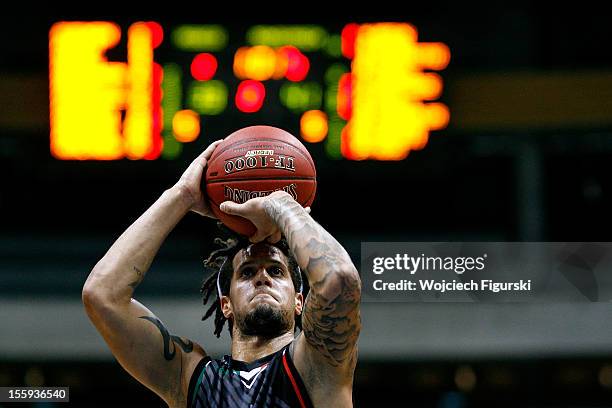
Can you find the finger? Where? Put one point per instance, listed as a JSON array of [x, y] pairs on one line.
[[193, 173], [274, 238], [257, 237], [206, 153], [210, 149], [232, 208], [198, 165], [202, 160]]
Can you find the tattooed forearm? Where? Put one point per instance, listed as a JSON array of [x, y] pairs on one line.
[[170, 339], [314, 248], [331, 321]]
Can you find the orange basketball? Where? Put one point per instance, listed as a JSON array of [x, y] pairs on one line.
[[254, 162]]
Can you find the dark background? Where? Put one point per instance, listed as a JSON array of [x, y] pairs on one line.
[[497, 173]]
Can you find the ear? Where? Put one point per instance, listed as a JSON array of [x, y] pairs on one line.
[[299, 303], [226, 307]]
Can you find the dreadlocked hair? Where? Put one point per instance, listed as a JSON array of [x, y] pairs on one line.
[[219, 264]]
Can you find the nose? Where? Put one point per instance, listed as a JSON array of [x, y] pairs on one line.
[[262, 278]]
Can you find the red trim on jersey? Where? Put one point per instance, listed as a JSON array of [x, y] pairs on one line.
[[295, 386]]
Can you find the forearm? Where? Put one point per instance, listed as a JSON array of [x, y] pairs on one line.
[[316, 251], [125, 264]]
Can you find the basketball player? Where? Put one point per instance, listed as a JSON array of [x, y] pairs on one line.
[[258, 285]]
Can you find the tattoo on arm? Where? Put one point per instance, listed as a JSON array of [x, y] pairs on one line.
[[169, 339], [313, 247], [138, 280], [331, 320], [332, 325]]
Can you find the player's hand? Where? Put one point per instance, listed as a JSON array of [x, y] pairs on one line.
[[190, 183], [254, 211]]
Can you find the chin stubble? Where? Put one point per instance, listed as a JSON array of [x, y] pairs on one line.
[[266, 321]]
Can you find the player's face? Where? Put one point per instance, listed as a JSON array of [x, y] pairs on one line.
[[263, 298]]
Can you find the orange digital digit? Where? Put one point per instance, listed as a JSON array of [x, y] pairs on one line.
[[385, 97], [88, 93]]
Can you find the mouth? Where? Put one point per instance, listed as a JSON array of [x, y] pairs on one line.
[[263, 295]]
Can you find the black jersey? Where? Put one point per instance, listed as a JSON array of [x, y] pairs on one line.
[[271, 381]]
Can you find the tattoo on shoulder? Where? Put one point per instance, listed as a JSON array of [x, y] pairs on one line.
[[186, 346], [331, 320]]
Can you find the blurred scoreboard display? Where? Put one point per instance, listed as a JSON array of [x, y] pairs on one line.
[[144, 91]]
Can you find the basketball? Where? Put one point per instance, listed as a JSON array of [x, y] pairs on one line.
[[256, 161]]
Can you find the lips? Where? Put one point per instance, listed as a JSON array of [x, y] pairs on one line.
[[264, 293]]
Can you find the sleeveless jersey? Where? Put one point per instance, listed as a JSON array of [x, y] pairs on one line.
[[271, 381]]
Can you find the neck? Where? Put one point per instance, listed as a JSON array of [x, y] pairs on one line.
[[250, 348]]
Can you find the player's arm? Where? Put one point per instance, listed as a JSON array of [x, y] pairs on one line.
[[137, 338], [331, 321]]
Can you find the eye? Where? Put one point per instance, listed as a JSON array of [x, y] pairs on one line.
[[247, 272], [275, 271]]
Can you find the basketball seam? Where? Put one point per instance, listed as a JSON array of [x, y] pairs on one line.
[[222, 180]]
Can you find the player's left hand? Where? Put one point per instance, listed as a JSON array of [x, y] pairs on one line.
[[190, 183]]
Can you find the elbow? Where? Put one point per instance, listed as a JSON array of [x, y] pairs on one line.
[[90, 288], [351, 274], [89, 303], [98, 305], [94, 295], [90, 297]]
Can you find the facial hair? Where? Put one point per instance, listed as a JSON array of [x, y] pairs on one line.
[[265, 321]]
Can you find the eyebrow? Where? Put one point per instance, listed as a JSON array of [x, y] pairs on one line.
[[272, 262]]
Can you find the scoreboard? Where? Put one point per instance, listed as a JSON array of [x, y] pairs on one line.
[[366, 92]]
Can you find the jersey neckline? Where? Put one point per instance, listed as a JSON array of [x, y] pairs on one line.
[[244, 366]]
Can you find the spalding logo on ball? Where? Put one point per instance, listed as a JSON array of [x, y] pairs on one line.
[[256, 161]]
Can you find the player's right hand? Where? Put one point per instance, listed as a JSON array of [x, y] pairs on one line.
[[190, 183], [254, 210]]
